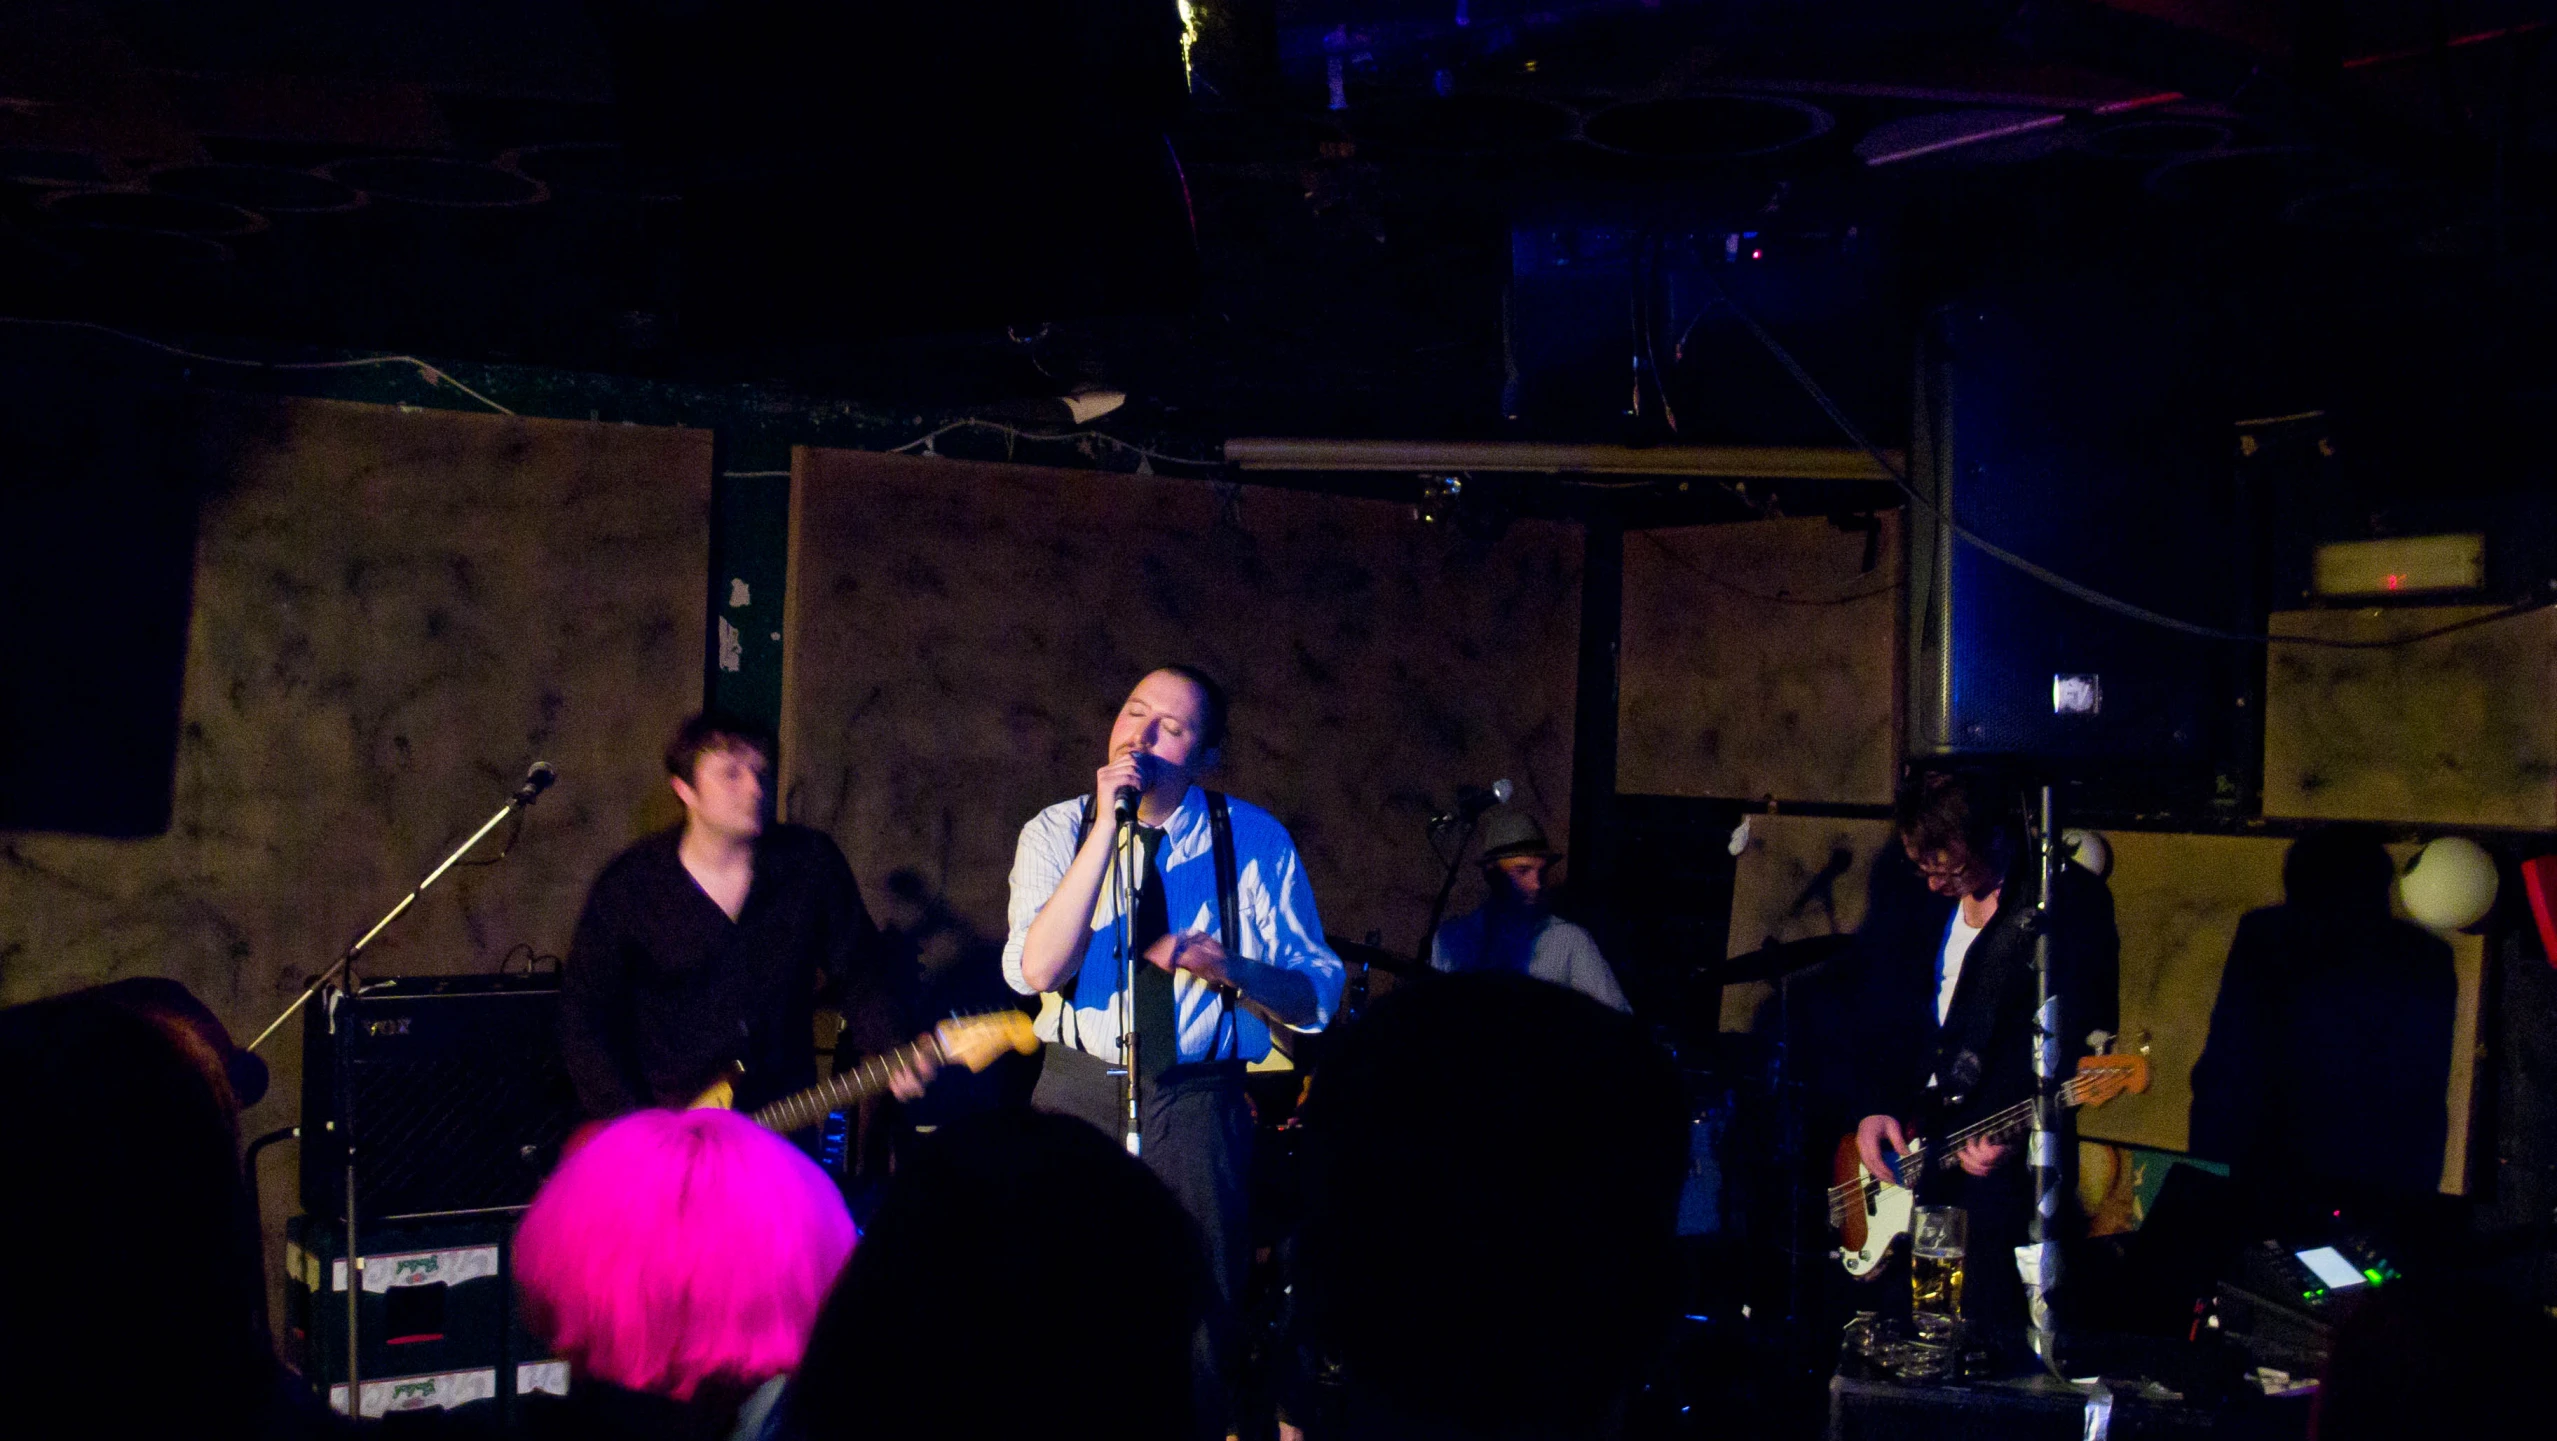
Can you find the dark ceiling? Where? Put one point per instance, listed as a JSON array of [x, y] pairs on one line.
[[1464, 218]]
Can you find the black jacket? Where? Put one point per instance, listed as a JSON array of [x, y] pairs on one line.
[[1983, 1053]]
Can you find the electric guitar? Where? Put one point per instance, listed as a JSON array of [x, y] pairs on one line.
[[974, 1042], [1870, 1213]]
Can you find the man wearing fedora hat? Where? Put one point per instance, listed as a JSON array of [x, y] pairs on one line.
[[1515, 929]]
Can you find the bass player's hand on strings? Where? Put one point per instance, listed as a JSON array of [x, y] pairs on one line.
[[1873, 1135], [1980, 1155]]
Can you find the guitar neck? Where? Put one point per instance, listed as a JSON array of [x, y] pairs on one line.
[[1997, 1126], [870, 1078]]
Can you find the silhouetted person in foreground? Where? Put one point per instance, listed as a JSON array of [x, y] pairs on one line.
[[2430, 1358], [2323, 1080], [1492, 1254], [134, 1302], [1024, 1277]]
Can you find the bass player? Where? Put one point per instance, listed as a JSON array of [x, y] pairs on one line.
[[1944, 1023]]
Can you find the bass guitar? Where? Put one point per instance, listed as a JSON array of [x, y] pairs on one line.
[[1870, 1213], [971, 1042]]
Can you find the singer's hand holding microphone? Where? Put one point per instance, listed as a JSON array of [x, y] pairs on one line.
[[1118, 786]]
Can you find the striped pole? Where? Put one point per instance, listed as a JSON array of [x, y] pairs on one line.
[[2040, 1259]]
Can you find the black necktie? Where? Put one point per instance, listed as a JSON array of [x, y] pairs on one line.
[[1158, 1037]]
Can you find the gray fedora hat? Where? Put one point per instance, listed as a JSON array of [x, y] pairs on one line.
[[1512, 832]]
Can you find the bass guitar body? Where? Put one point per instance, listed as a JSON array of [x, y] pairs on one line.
[[1870, 1212]]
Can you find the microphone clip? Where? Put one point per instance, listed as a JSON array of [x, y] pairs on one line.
[[1471, 802]]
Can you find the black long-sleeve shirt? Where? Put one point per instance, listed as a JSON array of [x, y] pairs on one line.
[[663, 991]]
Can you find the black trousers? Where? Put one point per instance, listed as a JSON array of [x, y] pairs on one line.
[[1197, 1139]]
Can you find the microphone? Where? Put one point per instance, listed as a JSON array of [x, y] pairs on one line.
[[1471, 802], [536, 781], [1124, 806]]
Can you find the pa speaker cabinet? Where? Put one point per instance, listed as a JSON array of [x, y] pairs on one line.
[[2085, 428], [455, 1090]]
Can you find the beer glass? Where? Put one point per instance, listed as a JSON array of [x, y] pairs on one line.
[[1937, 1238]]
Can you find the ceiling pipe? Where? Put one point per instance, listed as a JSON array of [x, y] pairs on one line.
[[1730, 462]]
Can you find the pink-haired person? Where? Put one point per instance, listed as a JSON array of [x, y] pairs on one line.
[[677, 1261]]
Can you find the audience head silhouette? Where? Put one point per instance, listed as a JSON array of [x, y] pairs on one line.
[[2339, 873], [1024, 1276], [683, 1254], [138, 1260], [1491, 1253]]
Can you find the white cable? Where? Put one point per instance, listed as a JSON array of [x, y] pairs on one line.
[[922, 444], [431, 375]]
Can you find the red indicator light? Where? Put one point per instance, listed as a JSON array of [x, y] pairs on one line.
[[2392, 582]]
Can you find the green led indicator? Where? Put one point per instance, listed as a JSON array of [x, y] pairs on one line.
[[2374, 1273]]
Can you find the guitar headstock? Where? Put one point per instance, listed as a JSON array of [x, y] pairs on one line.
[[2101, 1078], [721, 1094], [977, 1042]]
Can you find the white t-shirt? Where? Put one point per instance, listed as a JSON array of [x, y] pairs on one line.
[[1957, 944]]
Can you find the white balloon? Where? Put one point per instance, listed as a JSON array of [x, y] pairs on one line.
[[2089, 849], [2451, 886]]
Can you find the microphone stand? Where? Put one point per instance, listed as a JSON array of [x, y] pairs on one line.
[[342, 1037], [1125, 857], [522, 798], [1446, 888]]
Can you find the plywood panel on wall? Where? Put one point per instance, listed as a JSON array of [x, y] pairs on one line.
[[1760, 659], [2460, 730], [395, 612], [960, 635], [2177, 900], [1797, 877]]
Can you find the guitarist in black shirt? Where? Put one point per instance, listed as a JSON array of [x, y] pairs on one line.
[[1945, 1015], [713, 943]]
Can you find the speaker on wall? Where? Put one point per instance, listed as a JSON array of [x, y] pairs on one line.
[[2083, 428], [97, 574]]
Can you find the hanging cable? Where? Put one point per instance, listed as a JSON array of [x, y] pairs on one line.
[[424, 369], [923, 444]]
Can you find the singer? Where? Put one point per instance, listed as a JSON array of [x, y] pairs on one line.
[[1202, 1007], [713, 943]]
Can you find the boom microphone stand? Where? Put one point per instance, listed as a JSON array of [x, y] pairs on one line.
[[342, 1048], [536, 781], [1470, 806]]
